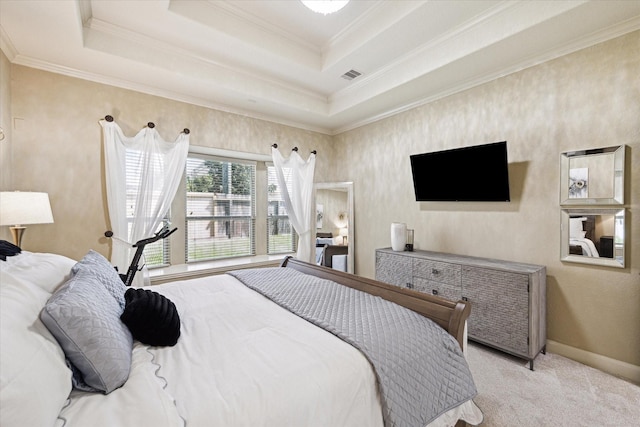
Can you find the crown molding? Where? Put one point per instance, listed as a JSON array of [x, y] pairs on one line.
[[474, 35], [7, 46], [255, 21], [233, 22], [163, 93], [592, 39], [147, 44]]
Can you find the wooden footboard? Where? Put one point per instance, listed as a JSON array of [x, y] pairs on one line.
[[451, 316]]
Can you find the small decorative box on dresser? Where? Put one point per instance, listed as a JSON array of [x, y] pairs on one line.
[[508, 299]]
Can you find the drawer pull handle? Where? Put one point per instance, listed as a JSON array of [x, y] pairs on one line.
[[434, 291], [435, 271]]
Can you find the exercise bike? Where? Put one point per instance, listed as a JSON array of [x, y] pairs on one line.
[[139, 245]]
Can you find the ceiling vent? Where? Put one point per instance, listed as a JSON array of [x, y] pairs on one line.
[[351, 74]]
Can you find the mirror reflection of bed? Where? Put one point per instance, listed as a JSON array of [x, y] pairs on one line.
[[330, 254], [592, 235], [334, 225]]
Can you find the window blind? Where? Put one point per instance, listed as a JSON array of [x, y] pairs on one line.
[[281, 236], [220, 208], [157, 253]]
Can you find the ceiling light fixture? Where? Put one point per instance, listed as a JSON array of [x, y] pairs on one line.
[[325, 6]]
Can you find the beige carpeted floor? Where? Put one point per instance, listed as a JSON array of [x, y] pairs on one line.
[[560, 392]]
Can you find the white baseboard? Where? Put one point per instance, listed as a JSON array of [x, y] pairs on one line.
[[615, 367]]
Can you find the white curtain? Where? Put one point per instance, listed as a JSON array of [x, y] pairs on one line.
[[299, 198], [157, 168]]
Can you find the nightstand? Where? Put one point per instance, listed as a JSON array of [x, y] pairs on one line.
[[606, 246]]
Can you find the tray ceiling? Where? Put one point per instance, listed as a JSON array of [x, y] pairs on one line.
[[277, 60]]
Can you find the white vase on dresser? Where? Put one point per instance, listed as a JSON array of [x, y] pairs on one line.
[[398, 236]]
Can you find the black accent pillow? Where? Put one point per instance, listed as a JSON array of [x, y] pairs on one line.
[[151, 317], [8, 249]]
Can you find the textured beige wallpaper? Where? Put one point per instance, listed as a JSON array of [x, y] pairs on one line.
[[334, 203], [5, 121], [5, 124], [587, 99]]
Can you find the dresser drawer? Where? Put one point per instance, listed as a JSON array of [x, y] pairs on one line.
[[393, 269], [443, 290], [442, 272]]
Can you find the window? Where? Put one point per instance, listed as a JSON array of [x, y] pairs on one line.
[[220, 208], [157, 253], [281, 237]]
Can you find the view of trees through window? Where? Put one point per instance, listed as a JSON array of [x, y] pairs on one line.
[[220, 214], [220, 209]]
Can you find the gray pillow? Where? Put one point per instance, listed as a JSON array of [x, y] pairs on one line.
[[103, 271], [85, 319]]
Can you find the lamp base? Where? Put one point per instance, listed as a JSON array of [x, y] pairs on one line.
[[17, 233]]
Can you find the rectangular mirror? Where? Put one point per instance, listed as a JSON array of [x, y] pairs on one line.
[[592, 177], [334, 223], [593, 236]]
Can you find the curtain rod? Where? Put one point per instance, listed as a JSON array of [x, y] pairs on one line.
[[296, 149], [150, 125]]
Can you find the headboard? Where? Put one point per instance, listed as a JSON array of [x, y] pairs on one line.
[[589, 226]]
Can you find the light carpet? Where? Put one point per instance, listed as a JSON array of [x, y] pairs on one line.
[[559, 392]]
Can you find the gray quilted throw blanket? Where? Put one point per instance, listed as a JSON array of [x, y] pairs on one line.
[[420, 368]]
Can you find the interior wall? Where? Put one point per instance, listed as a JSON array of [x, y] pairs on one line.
[[333, 202], [58, 148], [5, 124], [584, 100]]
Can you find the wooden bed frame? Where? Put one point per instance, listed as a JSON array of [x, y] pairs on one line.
[[451, 316]]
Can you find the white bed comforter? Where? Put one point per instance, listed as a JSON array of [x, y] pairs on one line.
[[241, 360], [588, 248]]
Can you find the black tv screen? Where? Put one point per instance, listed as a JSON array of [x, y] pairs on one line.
[[470, 174]]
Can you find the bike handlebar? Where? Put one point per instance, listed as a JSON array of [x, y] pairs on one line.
[[163, 233]]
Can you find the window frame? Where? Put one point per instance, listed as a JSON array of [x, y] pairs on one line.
[[178, 209], [223, 197]]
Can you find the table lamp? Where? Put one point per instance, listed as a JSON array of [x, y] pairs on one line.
[[18, 208]]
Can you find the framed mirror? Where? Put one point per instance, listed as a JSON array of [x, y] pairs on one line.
[[335, 225], [593, 236], [592, 177]]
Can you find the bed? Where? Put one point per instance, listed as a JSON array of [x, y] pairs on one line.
[[329, 253], [241, 358], [582, 236]]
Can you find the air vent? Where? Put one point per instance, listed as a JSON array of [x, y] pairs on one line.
[[351, 74]]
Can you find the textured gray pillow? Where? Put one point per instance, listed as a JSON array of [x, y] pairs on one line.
[[85, 319], [103, 271]]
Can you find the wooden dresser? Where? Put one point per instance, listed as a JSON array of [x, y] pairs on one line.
[[508, 299]]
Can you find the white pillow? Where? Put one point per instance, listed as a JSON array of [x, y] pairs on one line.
[[575, 228], [324, 240], [34, 378], [46, 271]]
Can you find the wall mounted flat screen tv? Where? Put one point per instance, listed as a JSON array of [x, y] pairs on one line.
[[470, 174]]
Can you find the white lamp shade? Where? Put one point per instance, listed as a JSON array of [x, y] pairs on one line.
[[24, 207]]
